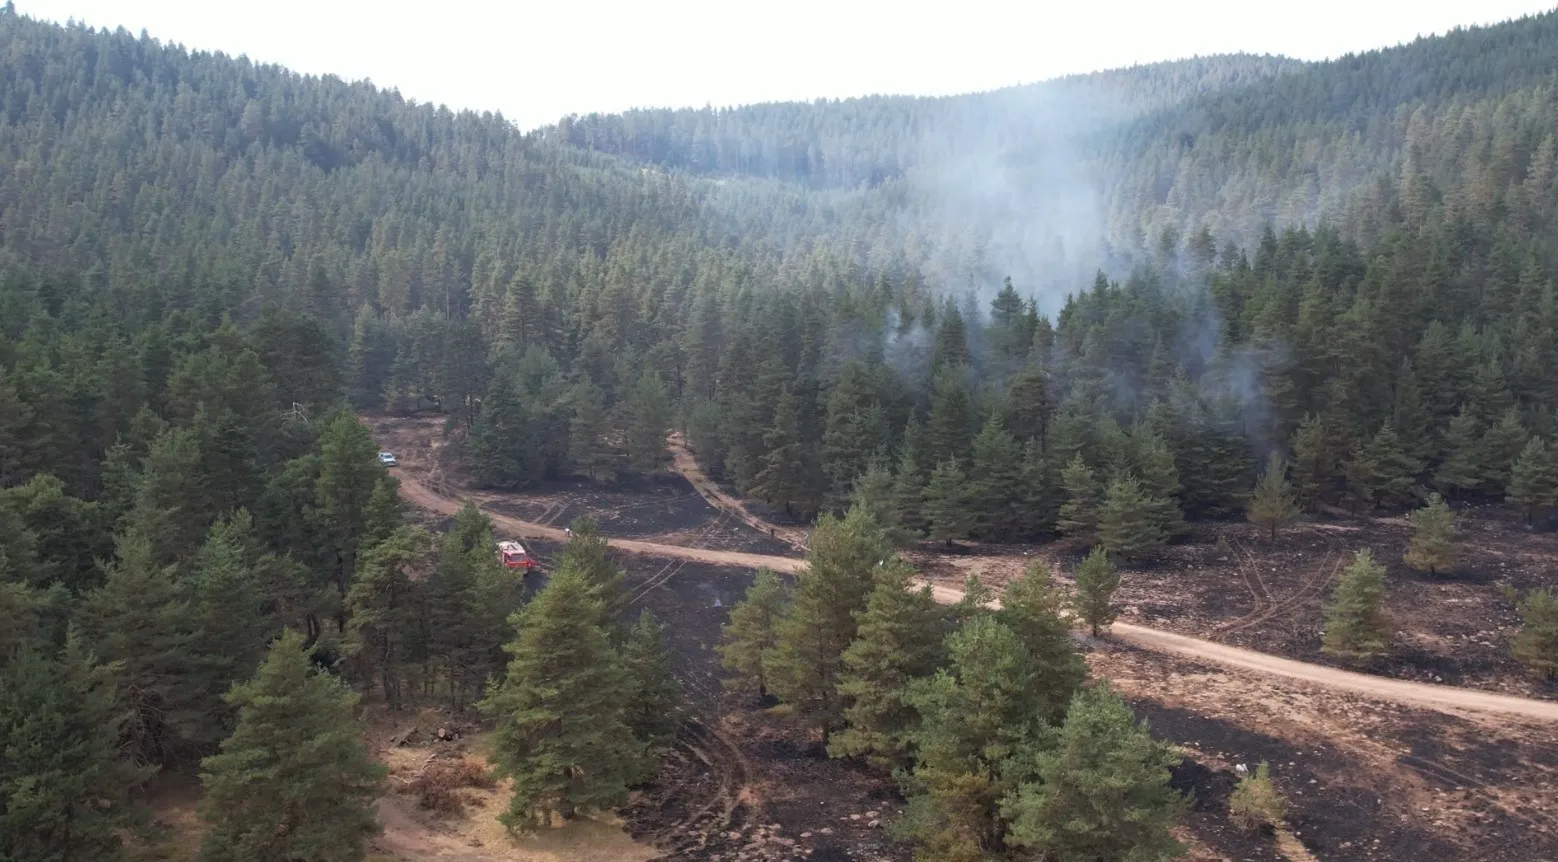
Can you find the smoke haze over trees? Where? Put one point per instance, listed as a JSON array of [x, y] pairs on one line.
[[1089, 307]]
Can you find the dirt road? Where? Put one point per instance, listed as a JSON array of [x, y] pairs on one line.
[[1438, 697], [425, 497]]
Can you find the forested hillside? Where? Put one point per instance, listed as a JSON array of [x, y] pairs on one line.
[[1098, 166], [205, 263], [564, 308]]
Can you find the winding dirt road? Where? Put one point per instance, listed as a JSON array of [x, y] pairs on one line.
[[1442, 698]]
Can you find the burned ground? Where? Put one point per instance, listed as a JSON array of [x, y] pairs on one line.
[[1367, 780], [1454, 628]]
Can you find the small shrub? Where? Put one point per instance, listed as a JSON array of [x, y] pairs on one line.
[[1536, 645], [1255, 803]]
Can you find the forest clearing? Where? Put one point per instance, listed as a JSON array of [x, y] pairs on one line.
[[1457, 783]]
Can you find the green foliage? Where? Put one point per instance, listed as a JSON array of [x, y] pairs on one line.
[[1501, 446], [751, 632], [821, 621], [385, 606], [588, 451], [467, 606], [1272, 505], [1131, 522], [1079, 514], [1533, 481], [981, 717], [1536, 644], [949, 503], [653, 692], [1102, 792], [64, 789], [349, 473], [562, 710], [790, 476], [995, 485], [140, 621], [233, 612], [1464, 468], [1033, 607], [1356, 627], [873, 491], [1096, 580], [1255, 803], [295, 779], [588, 551], [649, 417], [899, 639], [1432, 548]]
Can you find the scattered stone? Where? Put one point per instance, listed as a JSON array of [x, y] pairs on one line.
[[875, 824], [826, 830]]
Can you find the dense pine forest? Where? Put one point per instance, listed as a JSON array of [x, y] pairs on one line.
[[1106, 307]]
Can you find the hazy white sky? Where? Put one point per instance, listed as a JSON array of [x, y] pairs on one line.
[[536, 61]]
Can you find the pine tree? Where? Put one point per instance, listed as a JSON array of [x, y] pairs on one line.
[[458, 619], [1153, 464], [1029, 403], [1393, 471], [1130, 521], [948, 503], [1463, 468], [873, 491], [588, 551], [1079, 514], [1356, 627], [384, 606], [652, 701], [587, 447], [648, 419], [790, 476], [751, 632], [1533, 479], [1103, 792], [349, 473], [1501, 446], [1313, 462], [63, 786], [975, 601], [1255, 803], [909, 482], [1096, 581], [1272, 505], [141, 622], [170, 510], [996, 484], [1039, 508], [295, 779], [980, 713], [1032, 608], [821, 621], [232, 614], [1432, 549], [562, 709], [1536, 644], [899, 640], [952, 416]]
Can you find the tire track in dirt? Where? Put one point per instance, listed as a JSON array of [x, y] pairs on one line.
[[1442, 698], [1268, 607], [686, 466]]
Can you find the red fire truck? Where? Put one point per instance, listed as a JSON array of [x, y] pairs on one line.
[[513, 555]]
